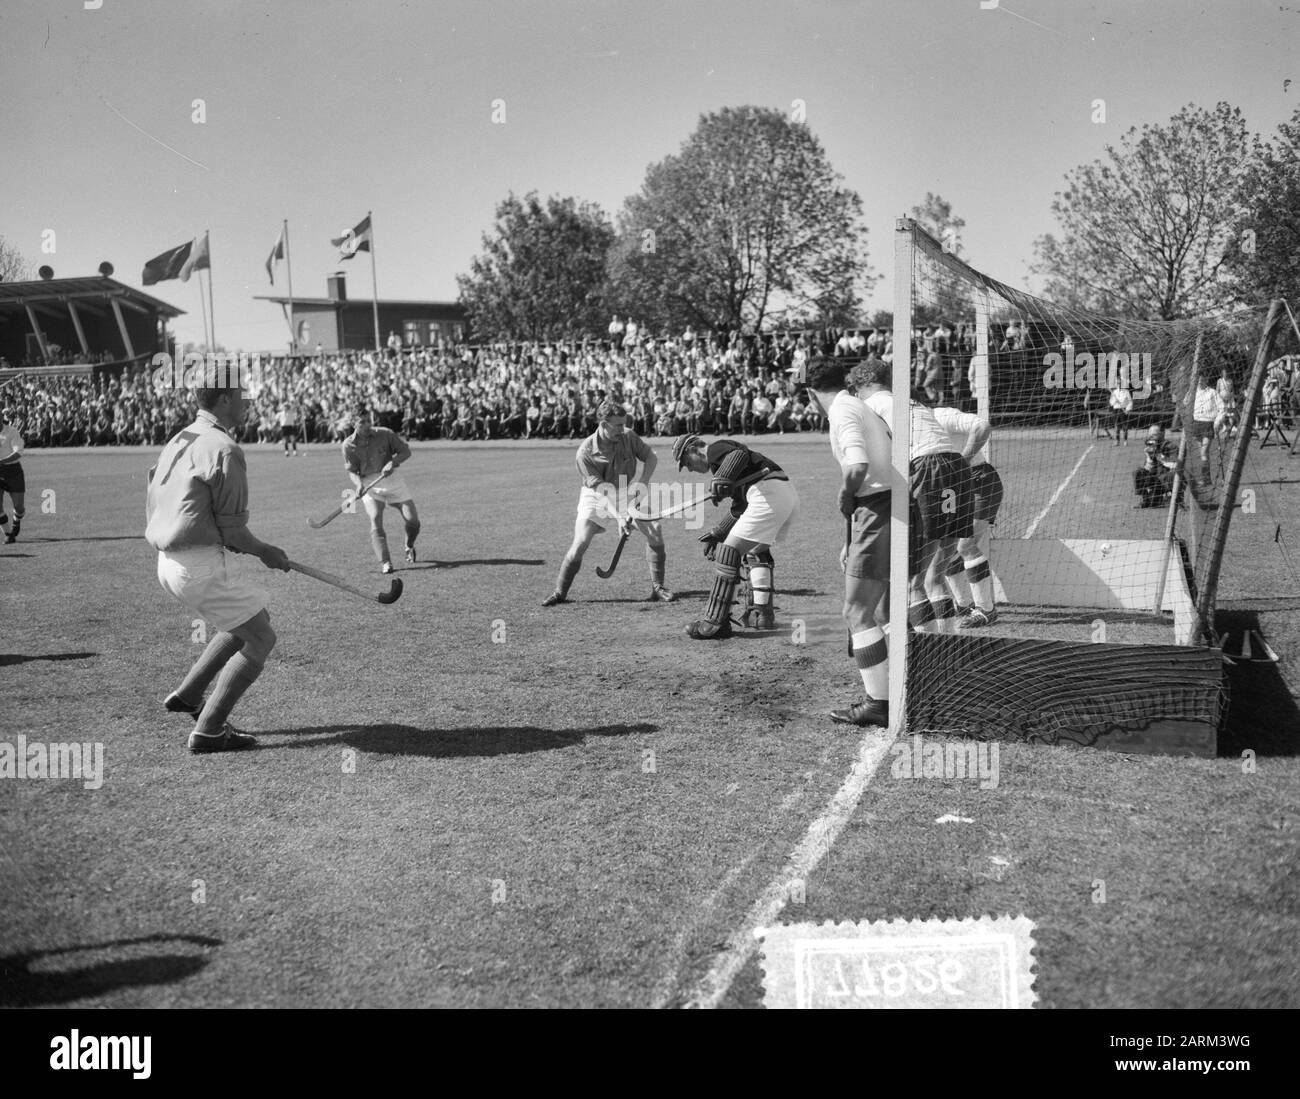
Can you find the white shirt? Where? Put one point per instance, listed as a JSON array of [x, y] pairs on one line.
[[960, 426], [882, 404], [1121, 400], [11, 443], [847, 418], [928, 435]]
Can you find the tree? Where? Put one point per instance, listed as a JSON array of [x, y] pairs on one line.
[[542, 271], [1143, 232], [747, 222], [935, 216], [1263, 251], [13, 266]]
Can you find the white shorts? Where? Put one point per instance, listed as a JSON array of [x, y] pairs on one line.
[[391, 490], [207, 581], [772, 505], [598, 509]]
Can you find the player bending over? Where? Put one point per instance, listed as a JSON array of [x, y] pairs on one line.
[[860, 442], [12, 480], [970, 579], [609, 457], [940, 505], [368, 452], [759, 515], [197, 508]]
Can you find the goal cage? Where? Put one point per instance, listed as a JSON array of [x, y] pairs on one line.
[[1104, 579]]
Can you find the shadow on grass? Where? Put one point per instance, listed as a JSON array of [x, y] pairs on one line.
[[20, 658], [3, 554], [58, 981], [89, 538], [1263, 714], [407, 740]]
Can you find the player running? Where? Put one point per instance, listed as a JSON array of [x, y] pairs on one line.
[[760, 513], [368, 452], [608, 458], [197, 509], [860, 442], [970, 579], [12, 479]]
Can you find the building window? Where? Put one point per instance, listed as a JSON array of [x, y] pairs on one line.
[[412, 329], [436, 335]]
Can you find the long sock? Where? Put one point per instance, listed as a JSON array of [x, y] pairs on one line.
[[236, 677], [380, 541], [568, 570], [657, 558], [945, 615], [725, 580], [921, 617], [412, 533], [871, 654], [213, 658], [981, 582], [958, 583]]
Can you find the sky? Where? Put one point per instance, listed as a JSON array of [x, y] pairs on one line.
[[317, 111]]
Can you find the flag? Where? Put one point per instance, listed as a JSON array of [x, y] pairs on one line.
[[353, 240], [178, 263], [276, 253]]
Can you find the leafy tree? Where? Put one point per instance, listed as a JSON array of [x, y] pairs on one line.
[[542, 271], [747, 223], [1144, 231], [13, 266], [935, 216], [1264, 253]]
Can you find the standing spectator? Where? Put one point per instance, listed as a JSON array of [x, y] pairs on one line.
[[1121, 406], [616, 334]]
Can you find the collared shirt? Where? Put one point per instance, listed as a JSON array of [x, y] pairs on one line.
[[849, 433], [367, 458], [11, 443], [610, 461], [198, 489]]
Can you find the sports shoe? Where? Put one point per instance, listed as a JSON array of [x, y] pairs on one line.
[[760, 618], [704, 630], [228, 740], [553, 599], [660, 594], [977, 619], [176, 705], [410, 554], [870, 711], [386, 567], [12, 536], [961, 611]]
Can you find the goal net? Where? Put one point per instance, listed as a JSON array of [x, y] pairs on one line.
[[1088, 587]]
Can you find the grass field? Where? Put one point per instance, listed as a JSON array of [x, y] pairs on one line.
[[469, 800]]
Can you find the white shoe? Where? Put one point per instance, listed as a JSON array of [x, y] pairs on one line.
[[386, 567]]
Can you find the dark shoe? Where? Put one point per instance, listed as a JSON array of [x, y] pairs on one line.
[[175, 705], [871, 711], [760, 618], [704, 630], [660, 594], [976, 619], [228, 740], [410, 555], [554, 599]]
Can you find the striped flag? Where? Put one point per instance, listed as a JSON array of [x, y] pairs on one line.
[[355, 240], [178, 263], [277, 253]]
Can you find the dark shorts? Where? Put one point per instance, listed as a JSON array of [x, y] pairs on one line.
[[987, 487], [289, 431], [12, 479], [1202, 429], [942, 503], [869, 545]]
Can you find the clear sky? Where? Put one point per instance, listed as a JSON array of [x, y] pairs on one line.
[[319, 110]]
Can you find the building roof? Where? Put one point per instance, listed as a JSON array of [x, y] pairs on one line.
[[367, 302], [86, 291]]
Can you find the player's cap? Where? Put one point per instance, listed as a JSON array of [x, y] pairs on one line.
[[681, 445]]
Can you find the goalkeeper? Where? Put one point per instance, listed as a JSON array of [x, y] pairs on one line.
[[1154, 481], [760, 513]]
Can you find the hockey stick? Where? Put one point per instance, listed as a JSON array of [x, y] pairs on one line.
[[384, 597], [316, 524]]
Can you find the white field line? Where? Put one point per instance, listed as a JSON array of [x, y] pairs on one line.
[[812, 848], [1057, 494]]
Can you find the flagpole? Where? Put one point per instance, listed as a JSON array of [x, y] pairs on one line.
[[203, 308], [374, 282], [288, 265], [212, 313]]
